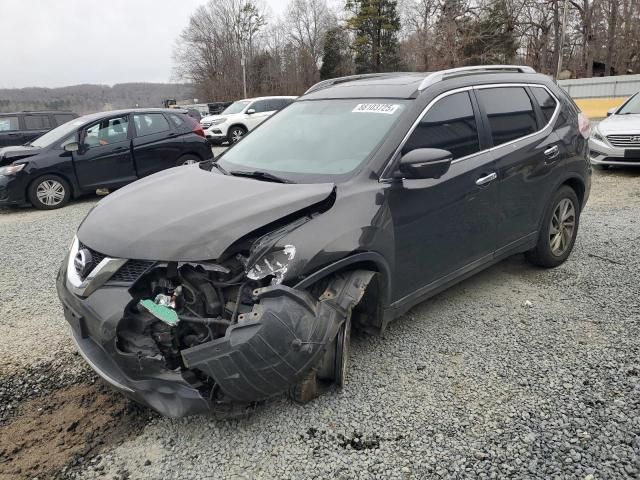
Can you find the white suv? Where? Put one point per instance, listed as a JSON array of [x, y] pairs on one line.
[[241, 117]]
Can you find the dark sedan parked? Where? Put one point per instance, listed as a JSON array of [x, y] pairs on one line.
[[103, 150]]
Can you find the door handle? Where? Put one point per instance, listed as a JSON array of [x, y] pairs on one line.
[[486, 179], [552, 152]]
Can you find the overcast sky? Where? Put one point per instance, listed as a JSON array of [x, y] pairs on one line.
[[53, 43]]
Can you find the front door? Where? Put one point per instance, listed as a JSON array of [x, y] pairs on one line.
[[104, 157], [444, 227], [262, 112], [10, 131]]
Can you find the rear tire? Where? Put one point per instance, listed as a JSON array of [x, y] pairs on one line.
[[49, 192], [559, 230], [187, 160]]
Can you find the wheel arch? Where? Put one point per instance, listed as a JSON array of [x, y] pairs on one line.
[[578, 186]]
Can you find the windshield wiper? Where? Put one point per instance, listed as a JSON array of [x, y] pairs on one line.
[[219, 167], [260, 175]]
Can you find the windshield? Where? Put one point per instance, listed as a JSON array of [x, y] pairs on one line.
[[236, 107], [632, 106], [58, 133], [321, 138]]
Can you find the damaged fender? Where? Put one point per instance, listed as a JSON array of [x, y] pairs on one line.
[[279, 341]]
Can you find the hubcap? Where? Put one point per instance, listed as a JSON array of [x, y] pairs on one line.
[[563, 224], [236, 135], [50, 192], [189, 162]]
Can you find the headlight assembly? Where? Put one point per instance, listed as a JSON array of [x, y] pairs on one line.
[[11, 169], [218, 121], [595, 134], [275, 263]]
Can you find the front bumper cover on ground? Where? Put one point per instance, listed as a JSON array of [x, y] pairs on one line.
[[261, 356]]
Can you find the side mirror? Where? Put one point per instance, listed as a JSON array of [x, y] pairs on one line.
[[611, 111], [424, 163], [251, 111], [72, 147]]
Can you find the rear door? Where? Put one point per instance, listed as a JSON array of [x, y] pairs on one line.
[[104, 158], [10, 133], [527, 155], [35, 125], [444, 227], [156, 144]]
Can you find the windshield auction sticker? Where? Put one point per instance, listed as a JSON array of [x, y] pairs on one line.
[[388, 108]]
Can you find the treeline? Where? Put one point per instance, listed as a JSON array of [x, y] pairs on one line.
[[84, 99], [311, 41]]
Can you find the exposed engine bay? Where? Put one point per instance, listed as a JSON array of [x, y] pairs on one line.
[[232, 330]]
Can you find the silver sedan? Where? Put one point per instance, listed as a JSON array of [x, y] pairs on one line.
[[616, 140]]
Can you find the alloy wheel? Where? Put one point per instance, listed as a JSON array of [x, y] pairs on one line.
[[236, 135], [50, 193], [563, 224], [189, 162]]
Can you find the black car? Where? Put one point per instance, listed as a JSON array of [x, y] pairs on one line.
[[228, 285], [103, 150], [22, 127]]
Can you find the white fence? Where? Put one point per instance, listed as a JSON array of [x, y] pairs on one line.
[[602, 87]]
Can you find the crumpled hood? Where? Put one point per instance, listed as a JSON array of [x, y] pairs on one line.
[[11, 154], [620, 124], [189, 214]]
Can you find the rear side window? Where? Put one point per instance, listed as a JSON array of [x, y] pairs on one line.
[[176, 120], [36, 122], [150, 123], [9, 124], [61, 118], [511, 115], [546, 102], [450, 125]]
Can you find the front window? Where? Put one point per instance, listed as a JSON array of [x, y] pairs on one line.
[[631, 107], [106, 132], [9, 124], [236, 107], [316, 140]]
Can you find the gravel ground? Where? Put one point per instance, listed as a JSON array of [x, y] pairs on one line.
[[517, 372]]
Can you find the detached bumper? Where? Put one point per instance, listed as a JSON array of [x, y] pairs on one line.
[[261, 356]]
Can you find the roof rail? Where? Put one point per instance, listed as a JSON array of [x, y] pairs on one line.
[[335, 81], [439, 76]]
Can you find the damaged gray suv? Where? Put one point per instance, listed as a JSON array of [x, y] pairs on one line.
[[212, 288]]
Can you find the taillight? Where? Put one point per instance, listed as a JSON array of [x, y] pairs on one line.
[[584, 125], [195, 124]]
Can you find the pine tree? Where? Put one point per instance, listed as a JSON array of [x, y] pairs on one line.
[[375, 25], [335, 61]]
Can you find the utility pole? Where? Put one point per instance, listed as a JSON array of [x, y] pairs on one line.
[[564, 30], [244, 75]]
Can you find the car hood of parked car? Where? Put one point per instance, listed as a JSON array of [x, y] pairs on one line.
[[190, 214], [620, 124], [11, 154]]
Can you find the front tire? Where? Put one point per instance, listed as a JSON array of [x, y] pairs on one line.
[[559, 230], [49, 192], [235, 134]]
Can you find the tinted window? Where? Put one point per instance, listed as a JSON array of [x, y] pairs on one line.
[[36, 122], [8, 124], [106, 132], [546, 102], [260, 106], [149, 123], [449, 125], [61, 118], [510, 113], [175, 119]]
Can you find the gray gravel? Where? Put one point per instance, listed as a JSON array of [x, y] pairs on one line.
[[516, 372]]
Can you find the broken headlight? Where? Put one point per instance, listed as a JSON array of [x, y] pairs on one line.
[[275, 263]]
